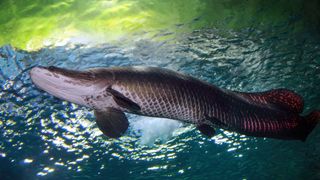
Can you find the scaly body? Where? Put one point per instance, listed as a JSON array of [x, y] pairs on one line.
[[163, 93]]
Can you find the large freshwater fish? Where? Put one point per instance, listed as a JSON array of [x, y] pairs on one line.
[[158, 92]]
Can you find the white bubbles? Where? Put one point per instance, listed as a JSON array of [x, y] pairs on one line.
[[28, 161], [152, 129], [45, 171]]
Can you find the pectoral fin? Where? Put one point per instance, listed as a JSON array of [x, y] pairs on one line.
[[112, 122], [206, 130], [123, 101]]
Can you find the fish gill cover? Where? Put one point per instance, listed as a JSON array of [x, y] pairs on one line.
[[239, 45]]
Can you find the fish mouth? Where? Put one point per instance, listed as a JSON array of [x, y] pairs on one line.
[[65, 84]]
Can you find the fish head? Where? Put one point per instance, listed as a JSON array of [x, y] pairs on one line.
[[71, 85]]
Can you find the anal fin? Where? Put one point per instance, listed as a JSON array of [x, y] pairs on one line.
[[112, 122], [207, 130]]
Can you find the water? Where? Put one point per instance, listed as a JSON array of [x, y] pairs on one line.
[[42, 137], [45, 138]]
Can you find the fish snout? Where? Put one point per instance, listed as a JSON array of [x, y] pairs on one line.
[[37, 72]]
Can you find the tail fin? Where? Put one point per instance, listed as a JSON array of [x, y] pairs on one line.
[[310, 122]]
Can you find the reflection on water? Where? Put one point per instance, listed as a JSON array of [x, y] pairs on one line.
[[30, 24], [44, 137]]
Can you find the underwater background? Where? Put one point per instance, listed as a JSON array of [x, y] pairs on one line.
[[243, 45]]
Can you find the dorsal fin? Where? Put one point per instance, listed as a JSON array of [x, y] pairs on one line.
[[281, 98]]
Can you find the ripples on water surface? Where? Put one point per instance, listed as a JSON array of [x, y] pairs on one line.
[[45, 138]]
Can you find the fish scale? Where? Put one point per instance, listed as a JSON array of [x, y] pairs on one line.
[[177, 99], [187, 101]]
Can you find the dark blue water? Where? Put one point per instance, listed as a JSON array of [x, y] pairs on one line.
[[42, 137]]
